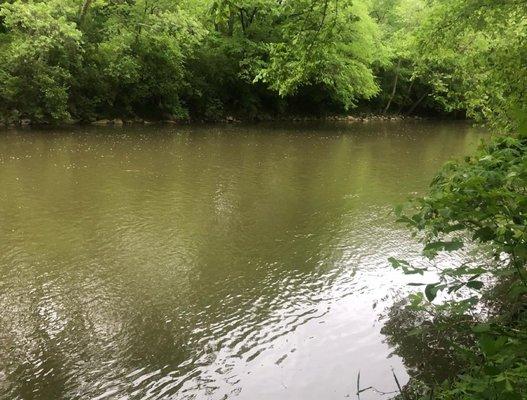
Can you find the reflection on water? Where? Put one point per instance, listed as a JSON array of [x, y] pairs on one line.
[[427, 356], [205, 263]]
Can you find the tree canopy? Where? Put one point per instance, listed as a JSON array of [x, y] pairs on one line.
[[205, 59]]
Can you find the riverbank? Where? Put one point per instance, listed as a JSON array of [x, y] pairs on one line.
[[357, 118]]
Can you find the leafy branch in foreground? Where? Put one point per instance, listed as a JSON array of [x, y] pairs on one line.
[[481, 201]]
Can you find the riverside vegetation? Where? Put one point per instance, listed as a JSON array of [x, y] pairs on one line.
[[472, 344], [207, 59], [88, 60]]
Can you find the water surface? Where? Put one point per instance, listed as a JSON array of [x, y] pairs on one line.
[[225, 262]]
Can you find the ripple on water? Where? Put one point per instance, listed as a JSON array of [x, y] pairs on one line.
[[247, 264]]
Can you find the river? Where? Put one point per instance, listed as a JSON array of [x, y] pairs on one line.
[[207, 262]]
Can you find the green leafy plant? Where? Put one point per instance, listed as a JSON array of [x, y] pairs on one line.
[[481, 202]]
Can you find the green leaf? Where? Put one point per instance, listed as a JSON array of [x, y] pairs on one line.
[[431, 291], [491, 345], [481, 328], [431, 249], [398, 263], [485, 234], [517, 290], [476, 285], [416, 301], [405, 266]]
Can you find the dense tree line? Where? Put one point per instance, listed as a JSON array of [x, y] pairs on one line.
[[174, 59], [205, 59]]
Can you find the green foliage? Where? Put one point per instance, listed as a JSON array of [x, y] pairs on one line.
[[455, 56], [485, 195], [138, 51], [471, 54], [475, 55], [478, 202], [38, 56], [211, 58], [334, 43], [402, 90], [169, 59]]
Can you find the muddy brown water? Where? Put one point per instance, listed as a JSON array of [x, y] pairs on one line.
[[223, 262]]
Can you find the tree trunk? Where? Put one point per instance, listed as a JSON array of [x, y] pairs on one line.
[[416, 104], [84, 9], [394, 90], [407, 97]]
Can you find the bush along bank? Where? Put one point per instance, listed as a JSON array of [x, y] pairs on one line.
[[473, 345]]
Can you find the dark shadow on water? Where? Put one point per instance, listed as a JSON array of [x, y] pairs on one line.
[[425, 342]]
